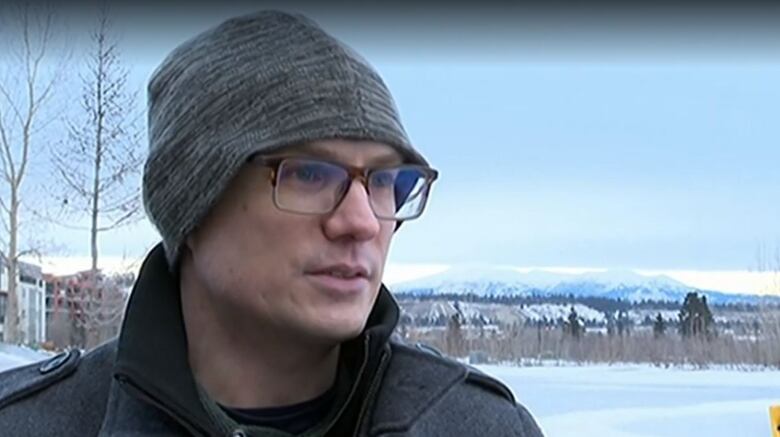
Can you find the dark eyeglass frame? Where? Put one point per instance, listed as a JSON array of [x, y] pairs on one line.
[[354, 172]]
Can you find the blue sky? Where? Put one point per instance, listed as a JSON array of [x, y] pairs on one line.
[[609, 165], [568, 144]]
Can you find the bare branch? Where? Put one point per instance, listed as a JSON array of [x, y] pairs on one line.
[[120, 221], [36, 252], [5, 152], [71, 178], [4, 207], [6, 228], [9, 169], [33, 103], [58, 222], [14, 107]]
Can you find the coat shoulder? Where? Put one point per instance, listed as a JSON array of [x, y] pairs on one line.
[[492, 406], [71, 387], [422, 354], [20, 382], [451, 398]]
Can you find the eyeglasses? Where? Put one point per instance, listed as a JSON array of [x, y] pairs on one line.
[[314, 186]]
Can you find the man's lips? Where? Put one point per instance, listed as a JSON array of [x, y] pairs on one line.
[[340, 278], [345, 271]]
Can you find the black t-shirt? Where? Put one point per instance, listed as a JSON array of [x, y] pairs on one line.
[[293, 419]]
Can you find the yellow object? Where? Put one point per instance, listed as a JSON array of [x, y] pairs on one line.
[[774, 418]]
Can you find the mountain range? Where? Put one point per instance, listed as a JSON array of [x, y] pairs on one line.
[[614, 284]]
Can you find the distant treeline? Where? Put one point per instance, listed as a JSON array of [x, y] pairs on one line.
[[604, 304]]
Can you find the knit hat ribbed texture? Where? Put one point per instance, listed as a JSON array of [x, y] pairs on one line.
[[253, 83]]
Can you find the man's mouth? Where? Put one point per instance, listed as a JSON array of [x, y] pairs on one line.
[[340, 278], [344, 271]]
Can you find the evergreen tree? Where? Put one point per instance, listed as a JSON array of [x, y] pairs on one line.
[[455, 341], [686, 315], [659, 326], [610, 324], [696, 319], [573, 326], [623, 323], [756, 328], [708, 320]]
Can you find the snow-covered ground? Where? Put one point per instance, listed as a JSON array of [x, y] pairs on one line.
[[8, 361], [643, 401], [623, 400], [12, 356]]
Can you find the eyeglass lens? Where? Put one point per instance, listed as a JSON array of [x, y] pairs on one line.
[[311, 186]]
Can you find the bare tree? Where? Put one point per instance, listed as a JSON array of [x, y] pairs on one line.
[[99, 162], [23, 96]]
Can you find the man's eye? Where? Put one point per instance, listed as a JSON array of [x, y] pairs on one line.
[[383, 180], [309, 174], [305, 174]]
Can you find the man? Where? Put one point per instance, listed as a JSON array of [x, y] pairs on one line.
[[277, 175]]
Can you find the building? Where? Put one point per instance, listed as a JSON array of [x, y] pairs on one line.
[[63, 310], [81, 312], [31, 293]]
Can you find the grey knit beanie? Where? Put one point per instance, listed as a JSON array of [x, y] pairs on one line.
[[253, 83]]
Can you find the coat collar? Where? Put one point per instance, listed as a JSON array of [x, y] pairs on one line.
[[152, 364], [152, 351]]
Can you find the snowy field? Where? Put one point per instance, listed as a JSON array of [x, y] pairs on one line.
[[642, 401], [12, 356], [623, 400]]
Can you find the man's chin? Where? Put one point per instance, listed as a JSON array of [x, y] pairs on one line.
[[341, 332]]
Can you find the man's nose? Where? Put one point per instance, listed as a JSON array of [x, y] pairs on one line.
[[354, 217]]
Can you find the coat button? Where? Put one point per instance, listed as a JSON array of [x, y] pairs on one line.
[[54, 363], [238, 433]]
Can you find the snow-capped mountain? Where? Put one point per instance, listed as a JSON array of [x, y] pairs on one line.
[[620, 284], [432, 313], [490, 281]]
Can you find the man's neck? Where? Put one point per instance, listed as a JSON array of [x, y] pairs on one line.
[[248, 366]]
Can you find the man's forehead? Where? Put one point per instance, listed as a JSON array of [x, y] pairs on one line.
[[346, 150]]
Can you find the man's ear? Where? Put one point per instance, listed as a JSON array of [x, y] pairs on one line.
[[189, 242]]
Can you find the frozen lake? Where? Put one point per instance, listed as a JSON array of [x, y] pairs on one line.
[[642, 401], [625, 400]]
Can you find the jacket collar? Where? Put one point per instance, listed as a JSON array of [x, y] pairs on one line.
[[152, 360]]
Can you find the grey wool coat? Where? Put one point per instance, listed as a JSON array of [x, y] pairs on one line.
[[140, 384]]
